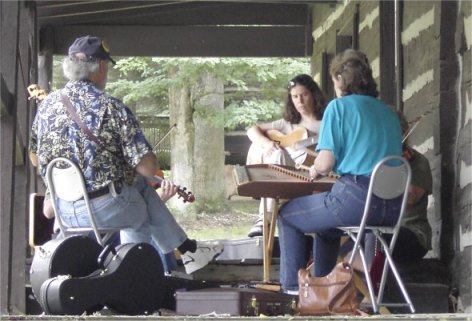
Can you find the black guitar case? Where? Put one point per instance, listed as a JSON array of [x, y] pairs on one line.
[[130, 282], [75, 256]]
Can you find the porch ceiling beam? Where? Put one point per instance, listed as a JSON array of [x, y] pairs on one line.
[[168, 13], [188, 41]]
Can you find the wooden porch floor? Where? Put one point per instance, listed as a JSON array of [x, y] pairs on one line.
[[392, 317]]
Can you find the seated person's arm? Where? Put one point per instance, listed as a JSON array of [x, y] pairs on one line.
[[323, 165], [147, 167], [257, 135], [167, 190], [415, 193], [34, 159], [48, 210]]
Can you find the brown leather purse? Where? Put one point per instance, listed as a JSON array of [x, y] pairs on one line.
[[334, 293]]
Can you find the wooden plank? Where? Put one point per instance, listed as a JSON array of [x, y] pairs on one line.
[[8, 38], [289, 41], [6, 211], [160, 13], [387, 52], [20, 168], [45, 58], [6, 98]]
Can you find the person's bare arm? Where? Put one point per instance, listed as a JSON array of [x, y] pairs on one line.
[[48, 210], [257, 135], [415, 193], [34, 159], [323, 165], [148, 165]]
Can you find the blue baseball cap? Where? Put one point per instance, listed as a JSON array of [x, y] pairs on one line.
[[92, 47]]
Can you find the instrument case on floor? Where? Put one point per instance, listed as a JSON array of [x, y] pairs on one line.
[[244, 250], [130, 281], [235, 302], [74, 255], [173, 284]]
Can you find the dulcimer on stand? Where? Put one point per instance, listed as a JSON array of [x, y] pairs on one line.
[[277, 181]]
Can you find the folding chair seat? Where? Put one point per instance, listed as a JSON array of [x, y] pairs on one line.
[[390, 179], [66, 182]]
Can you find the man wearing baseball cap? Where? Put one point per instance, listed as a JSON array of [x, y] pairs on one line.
[[92, 48], [105, 142]]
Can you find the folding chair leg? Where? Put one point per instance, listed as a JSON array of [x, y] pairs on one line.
[[389, 263], [375, 306], [360, 285], [366, 272]]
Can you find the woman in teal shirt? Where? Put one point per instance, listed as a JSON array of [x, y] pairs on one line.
[[357, 131]]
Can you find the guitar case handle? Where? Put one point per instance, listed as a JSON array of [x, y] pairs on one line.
[[101, 258]]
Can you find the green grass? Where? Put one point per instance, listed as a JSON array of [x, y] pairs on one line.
[[234, 223]]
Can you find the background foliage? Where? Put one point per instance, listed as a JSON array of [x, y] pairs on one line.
[[254, 87]]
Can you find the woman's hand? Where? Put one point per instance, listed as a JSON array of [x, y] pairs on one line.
[[270, 147], [313, 173], [257, 135], [167, 190]]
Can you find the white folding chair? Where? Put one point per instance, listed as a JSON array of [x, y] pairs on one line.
[[67, 183], [390, 179]]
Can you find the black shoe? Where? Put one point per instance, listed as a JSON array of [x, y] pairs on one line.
[[256, 230]]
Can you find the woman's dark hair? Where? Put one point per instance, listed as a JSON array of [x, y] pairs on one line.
[[290, 113], [356, 73]]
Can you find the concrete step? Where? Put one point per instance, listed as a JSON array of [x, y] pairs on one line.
[[426, 297]]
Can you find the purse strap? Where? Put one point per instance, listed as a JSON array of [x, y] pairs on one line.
[[75, 117], [346, 266]]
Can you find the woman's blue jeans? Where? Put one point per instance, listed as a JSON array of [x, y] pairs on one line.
[[137, 211], [322, 214]]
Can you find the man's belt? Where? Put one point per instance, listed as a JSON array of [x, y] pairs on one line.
[[99, 192], [105, 190]]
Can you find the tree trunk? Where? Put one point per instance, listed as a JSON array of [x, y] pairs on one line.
[[197, 156]]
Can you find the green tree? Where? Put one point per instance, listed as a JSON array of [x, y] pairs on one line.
[[254, 87]]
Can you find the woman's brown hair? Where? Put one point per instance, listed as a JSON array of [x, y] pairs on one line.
[[356, 73]]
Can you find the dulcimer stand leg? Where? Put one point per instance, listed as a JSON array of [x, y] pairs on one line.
[[268, 237]]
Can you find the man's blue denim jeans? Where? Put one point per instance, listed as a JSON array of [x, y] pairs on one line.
[[137, 210], [321, 214]]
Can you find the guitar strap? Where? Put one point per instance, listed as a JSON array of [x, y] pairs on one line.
[[75, 117]]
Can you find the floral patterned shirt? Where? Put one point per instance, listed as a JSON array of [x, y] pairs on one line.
[[55, 134]]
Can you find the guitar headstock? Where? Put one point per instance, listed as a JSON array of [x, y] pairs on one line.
[[37, 93]]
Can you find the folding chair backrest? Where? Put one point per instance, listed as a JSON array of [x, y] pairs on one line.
[[390, 178], [68, 182], [65, 181]]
